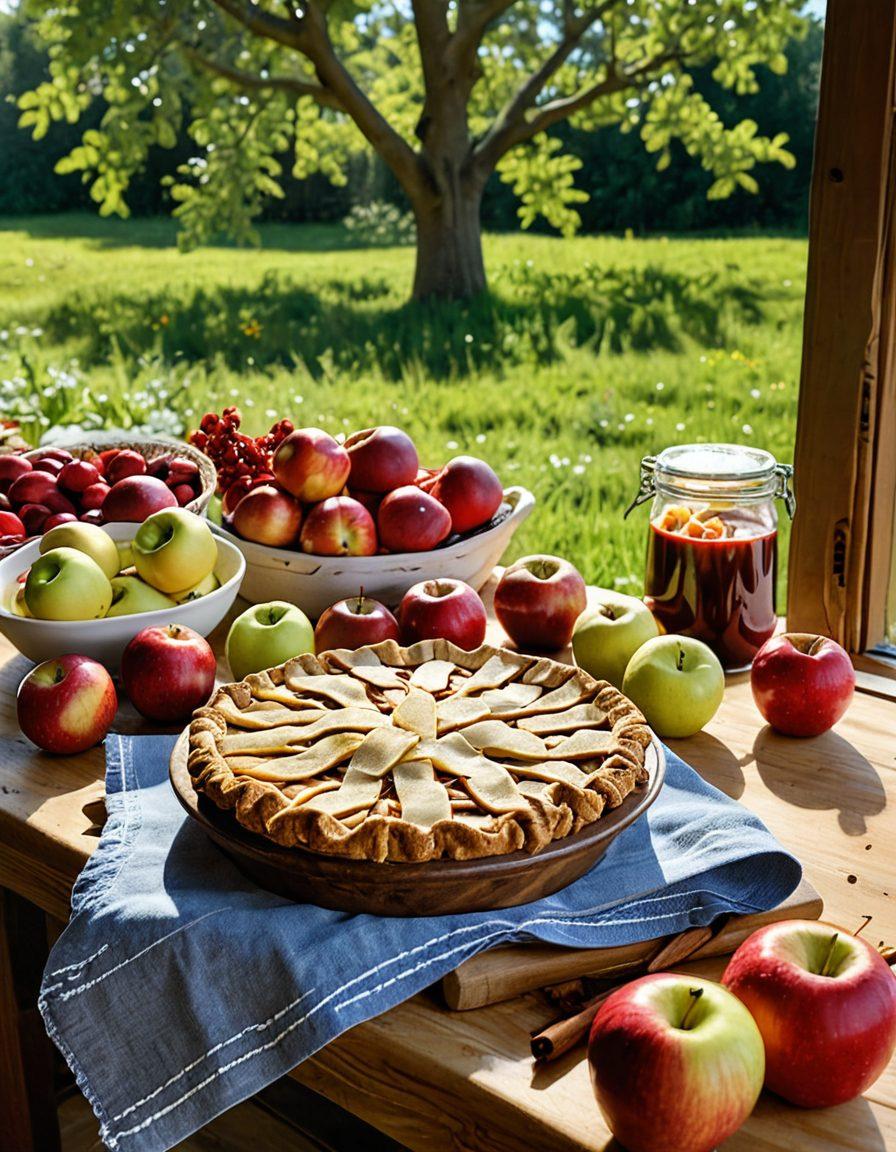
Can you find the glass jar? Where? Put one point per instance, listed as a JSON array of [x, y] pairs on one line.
[[712, 544]]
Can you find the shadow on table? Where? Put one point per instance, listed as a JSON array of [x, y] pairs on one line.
[[841, 778], [714, 761]]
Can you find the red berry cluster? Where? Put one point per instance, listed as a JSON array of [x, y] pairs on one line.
[[233, 453]]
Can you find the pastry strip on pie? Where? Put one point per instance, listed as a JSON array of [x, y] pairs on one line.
[[417, 713], [322, 756], [572, 720], [511, 697], [432, 676], [456, 711], [424, 801], [363, 781], [497, 670], [275, 740], [487, 782], [342, 690], [262, 719]]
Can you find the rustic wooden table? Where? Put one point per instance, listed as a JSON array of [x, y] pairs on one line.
[[434, 1079]]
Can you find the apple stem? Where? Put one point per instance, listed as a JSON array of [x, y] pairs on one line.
[[866, 920], [695, 994], [59, 674], [680, 658], [829, 955]]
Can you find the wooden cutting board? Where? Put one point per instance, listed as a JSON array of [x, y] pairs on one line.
[[504, 973]]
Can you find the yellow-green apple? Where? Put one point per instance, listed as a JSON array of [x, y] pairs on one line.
[[676, 1064], [410, 520], [86, 538], [538, 600], [802, 684], [825, 1003], [339, 526], [677, 682], [209, 584], [32, 487], [136, 497], [354, 622], [174, 549], [167, 671], [266, 635], [381, 459], [131, 595], [442, 609], [18, 607], [66, 705], [311, 465], [11, 468], [470, 490], [268, 515], [78, 475], [65, 584], [609, 632]]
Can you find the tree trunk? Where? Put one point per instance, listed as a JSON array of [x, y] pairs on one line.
[[449, 244]]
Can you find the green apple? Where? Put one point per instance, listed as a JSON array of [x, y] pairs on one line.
[[66, 584], [174, 549], [131, 595], [266, 635], [209, 584], [125, 554], [17, 604], [677, 682], [609, 632], [87, 538]]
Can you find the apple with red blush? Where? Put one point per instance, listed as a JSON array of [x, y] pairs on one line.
[[382, 459], [354, 622], [123, 464], [58, 518], [77, 475], [311, 465], [94, 496], [11, 525], [32, 487], [339, 526], [538, 600], [411, 520], [825, 1004], [136, 497], [802, 684], [470, 490], [66, 705], [34, 516], [11, 468], [267, 515], [167, 672], [443, 609]]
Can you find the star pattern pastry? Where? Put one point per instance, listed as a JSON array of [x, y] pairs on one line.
[[421, 753]]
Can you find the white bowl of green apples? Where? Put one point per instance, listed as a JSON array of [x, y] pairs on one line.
[[89, 589]]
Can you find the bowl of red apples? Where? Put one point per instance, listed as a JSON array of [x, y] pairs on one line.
[[104, 481], [317, 519]]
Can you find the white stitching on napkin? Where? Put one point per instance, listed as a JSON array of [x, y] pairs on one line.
[[79, 964]]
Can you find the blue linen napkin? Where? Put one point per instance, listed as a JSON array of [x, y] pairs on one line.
[[179, 988]]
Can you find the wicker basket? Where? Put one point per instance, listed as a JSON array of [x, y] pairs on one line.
[[150, 449]]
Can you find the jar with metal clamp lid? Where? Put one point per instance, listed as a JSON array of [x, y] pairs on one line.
[[712, 544]]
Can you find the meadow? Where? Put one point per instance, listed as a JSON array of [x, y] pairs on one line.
[[589, 354]]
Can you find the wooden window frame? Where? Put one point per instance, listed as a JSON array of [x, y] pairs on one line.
[[842, 545]]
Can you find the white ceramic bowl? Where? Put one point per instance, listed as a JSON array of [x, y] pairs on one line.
[[316, 582], [105, 640]]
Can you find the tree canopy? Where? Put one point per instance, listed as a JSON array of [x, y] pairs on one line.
[[447, 92]]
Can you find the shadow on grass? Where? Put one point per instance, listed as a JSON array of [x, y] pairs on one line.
[[357, 325]]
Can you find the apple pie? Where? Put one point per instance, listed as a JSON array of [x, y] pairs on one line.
[[421, 753]]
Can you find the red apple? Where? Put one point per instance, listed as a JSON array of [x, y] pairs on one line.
[[370, 500], [66, 705], [11, 525], [58, 518], [57, 502], [168, 671], [158, 467], [538, 600], [825, 1003], [11, 468], [426, 477], [183, 493], [802, 684], [135, 498], [676, 1064], [48, 464], [353, 623], [61, 454], [32, 488], [339, 526], [94, 496], [268, 516], [125, 463], [34, 516], [181, 471], [311, 465], [470, 490], [442, 609], [93, 516], [239, 488], [410, 520], [78, 475], [382, 459]]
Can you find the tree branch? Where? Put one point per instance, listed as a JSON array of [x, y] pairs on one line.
[[294, 85], [263, 23], [474, 16]]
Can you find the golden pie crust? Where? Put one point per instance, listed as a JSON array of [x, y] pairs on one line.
[[421, 753]]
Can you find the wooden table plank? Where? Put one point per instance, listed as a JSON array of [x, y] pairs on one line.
[[434, 1079]]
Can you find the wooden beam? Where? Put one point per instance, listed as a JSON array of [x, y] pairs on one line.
[[849, 329]]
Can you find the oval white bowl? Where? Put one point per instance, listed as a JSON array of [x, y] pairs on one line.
[[106, 639], [316, 582]]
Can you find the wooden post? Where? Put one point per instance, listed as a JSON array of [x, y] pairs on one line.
[[845, 456]]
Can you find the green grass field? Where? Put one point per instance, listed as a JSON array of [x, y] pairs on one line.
[[591, 353]]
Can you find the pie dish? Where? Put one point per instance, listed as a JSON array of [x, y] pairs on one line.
[[416, 754]]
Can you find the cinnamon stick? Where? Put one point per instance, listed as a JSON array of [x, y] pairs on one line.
[[557, 1038]]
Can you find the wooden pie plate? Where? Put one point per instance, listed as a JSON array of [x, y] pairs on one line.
[[433, 888]]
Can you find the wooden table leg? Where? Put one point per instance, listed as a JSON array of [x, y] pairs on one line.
[[28, 1117]]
